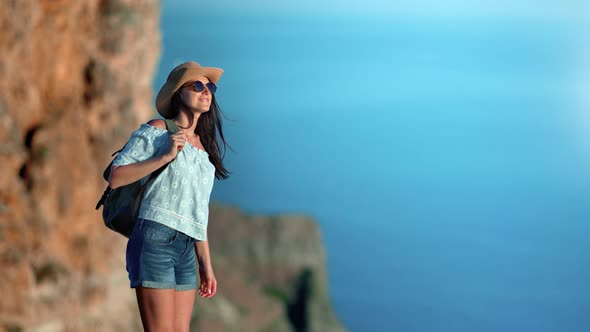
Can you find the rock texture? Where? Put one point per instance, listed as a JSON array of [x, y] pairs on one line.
[[271, 273], [75, 80]]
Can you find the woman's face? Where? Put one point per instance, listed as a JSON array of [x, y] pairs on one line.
[[200, 101]]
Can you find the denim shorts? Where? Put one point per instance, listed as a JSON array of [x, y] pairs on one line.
[[160, 257]]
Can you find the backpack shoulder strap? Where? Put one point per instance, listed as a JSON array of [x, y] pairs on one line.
[[171, 126]]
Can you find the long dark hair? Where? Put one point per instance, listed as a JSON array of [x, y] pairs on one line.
[[208, 128]]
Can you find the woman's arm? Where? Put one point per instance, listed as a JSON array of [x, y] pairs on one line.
[[208, 283], [125, 174], [202, 250]]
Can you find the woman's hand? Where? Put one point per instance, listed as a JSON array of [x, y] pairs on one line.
[[177, 141], [208, 286]]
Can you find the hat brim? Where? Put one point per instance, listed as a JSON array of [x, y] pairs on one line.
[[178, 78]]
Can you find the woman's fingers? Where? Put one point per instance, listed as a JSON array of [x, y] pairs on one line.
[[213, 287], [208, 289], [203, 290], [178, 140], [178, 136]]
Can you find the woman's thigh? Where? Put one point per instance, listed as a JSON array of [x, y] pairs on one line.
[[184, 302], [165, 309], [156, 307]]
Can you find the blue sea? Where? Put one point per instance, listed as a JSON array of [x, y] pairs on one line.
[[446, 160]]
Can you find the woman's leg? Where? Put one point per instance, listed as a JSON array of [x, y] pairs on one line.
[[156, 307], [186, 284], [183, 309]]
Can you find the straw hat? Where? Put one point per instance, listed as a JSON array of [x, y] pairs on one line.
[[188, 71]]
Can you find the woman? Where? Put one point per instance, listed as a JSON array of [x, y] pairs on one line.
[[170, 234]]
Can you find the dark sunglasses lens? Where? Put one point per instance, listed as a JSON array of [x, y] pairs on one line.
[[198, 85], [212, 87]]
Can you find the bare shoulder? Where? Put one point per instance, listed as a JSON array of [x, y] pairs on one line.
[[158, 123]]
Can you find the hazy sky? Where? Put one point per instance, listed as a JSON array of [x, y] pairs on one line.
[[568, 9], [574, 14]]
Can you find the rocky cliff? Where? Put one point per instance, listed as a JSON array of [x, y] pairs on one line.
[[75, 80], [271, 274]]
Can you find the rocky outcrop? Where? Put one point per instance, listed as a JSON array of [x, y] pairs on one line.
[[271, 272], [75, 80]]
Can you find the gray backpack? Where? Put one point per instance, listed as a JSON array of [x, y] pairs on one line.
[[121, 205]]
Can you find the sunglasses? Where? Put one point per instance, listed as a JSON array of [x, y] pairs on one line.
[[200, 86]]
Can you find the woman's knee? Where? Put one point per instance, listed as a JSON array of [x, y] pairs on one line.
[[182, 328], [161, 328]]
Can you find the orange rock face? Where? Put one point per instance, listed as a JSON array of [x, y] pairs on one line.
[[75, 80]]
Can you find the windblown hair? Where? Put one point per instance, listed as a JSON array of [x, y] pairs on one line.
[[209, 129]]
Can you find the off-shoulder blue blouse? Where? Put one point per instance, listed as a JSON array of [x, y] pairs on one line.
[[179, 196]]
